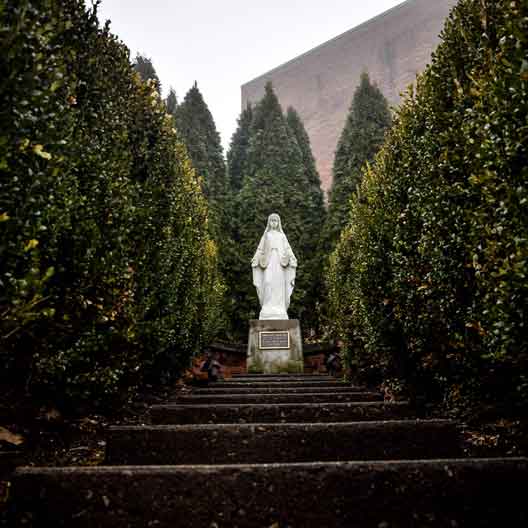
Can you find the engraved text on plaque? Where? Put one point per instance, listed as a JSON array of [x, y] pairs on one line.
[[274, 340]]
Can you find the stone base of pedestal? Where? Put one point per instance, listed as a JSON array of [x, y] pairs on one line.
[[275, 346]]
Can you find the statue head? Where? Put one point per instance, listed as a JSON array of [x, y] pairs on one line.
[[274, 222]]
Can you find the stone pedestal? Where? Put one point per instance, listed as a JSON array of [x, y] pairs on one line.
[[275, 346]]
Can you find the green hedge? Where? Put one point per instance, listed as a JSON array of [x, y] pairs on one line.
[[107, 272], [429, 282]]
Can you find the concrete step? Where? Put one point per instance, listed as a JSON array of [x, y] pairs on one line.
[[284, 384], [395, 494], [281, 376], [288, 397], [278, 413], [269, 443], [305, 379], [280, 382], [217, 389]]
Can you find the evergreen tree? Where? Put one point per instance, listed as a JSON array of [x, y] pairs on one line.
[[297, 127], [429, 277], [171, 102], [368, 119], [236, 166], [196, 126], [104, 282], [198, 130], [143, 65], [314, 216], [274, 181], [238, 150]]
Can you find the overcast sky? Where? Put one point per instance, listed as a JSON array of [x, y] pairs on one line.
[[224, 44]]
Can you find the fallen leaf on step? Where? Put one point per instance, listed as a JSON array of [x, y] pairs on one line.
[[9, 437]]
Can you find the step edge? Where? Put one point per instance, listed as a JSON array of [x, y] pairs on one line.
[[159, 468], [280, 405], [373, 424]]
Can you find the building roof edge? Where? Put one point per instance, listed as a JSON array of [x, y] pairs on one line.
[[341, 35]]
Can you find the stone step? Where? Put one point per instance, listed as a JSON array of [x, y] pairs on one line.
[[217, 389], [282, 376], [299, 383], [280, 442], [392, 494], [275, 379], [289, 397], [281, 412]]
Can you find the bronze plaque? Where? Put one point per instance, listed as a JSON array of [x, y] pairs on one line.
[[274, 340]]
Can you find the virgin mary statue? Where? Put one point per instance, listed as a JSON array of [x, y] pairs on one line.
[[274, 266]]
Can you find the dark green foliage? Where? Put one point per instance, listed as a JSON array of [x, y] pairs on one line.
[[106, 268], [234, 267], [238, 150], [143, 65], [358, 307], [198, 130], [275, 179], [171, 102], [368, 119], [430, 275], [314, 215]]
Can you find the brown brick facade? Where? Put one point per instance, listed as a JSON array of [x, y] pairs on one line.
[[393, 48]]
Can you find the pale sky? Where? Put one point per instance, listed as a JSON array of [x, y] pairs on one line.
[[224, 44]]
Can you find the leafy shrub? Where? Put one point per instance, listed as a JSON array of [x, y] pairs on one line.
[[430, 275], [106, 269]]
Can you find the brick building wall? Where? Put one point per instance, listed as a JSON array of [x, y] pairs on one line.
[[393, 48]]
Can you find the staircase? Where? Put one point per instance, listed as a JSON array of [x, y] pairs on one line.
[[279, 451]]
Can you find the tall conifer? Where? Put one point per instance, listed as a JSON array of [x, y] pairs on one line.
[[171, 102], [143, 65], [313, 216], [198, 130], [236, 167], [363, 134], [238, 149]]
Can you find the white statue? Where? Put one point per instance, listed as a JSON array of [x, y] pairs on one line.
[[274, 266]]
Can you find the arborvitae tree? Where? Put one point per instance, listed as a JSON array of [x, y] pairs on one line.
[[197, 127], [236, 165], [274, 181], [368, 119], [106, 280], [171, 102], [238, 150], [297, 127], [143, 65], [314, 215], [436, 249]]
